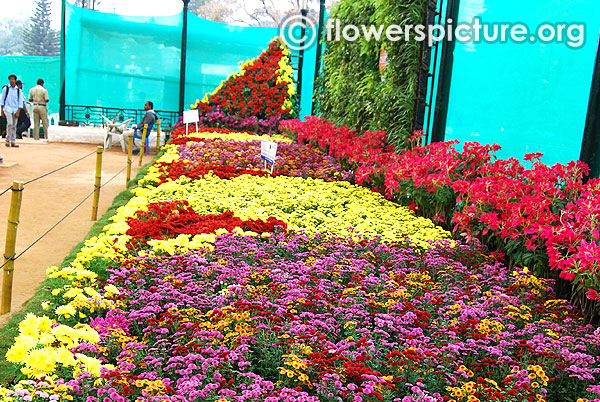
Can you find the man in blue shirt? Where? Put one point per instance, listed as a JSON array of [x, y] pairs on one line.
[[12, 100]]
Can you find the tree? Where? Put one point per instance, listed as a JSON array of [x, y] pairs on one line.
[[11, 36], [214, 10], [39, 39], [91, 4], [269, 13]]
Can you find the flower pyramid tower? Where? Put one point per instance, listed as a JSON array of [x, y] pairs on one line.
[[264, 87]]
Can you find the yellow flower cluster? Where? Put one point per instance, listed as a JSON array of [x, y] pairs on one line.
[[537, 376], [286, 74], [522, 313], [529, 282], [80, 294], [310, 205], [468, 390], [489, 327], [41, 345], [296, 366]]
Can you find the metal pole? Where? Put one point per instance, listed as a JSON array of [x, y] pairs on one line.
[[304, 13], [590, 146], [9, 247], [446, 64], [63, 12], [424, 74], [319, 48], [183, 55], [97, 181], [432, 84]]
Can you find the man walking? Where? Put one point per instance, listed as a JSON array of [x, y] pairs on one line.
[[24, 121], [39, 96], [11, 100]]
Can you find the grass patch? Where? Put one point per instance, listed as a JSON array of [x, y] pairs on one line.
[[8, 371]]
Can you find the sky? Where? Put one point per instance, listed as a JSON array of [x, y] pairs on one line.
[[125, 7]]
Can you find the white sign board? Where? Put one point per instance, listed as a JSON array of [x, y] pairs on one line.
[[268, 151], [191, 116]]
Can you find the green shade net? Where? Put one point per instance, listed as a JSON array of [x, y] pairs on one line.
[[122, 61], [529, 97], [118, 61], [28, 69]]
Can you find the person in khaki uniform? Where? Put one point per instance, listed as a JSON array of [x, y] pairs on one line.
[[39, 96]]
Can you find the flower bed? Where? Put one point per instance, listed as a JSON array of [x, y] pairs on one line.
[[294, 317], [196, 156], [543, 217], [293, 289]]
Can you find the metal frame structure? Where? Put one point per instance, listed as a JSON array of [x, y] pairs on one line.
[[445, 78], [590, 145], [92, 115], [183, 56], [428, 73]]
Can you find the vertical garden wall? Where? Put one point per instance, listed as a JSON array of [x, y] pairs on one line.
[[352, 91]]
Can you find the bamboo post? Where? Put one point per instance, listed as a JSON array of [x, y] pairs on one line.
[[143, 146], [157, 136], [99, 151], [129, 162], [9, 248]]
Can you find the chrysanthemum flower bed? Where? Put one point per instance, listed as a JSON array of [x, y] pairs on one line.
[[260, 288], [234, 154]]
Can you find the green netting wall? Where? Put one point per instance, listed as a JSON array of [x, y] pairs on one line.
[[529, 97], [28, 69], [121, 61]]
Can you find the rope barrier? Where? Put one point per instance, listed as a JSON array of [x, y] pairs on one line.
[[49, 173], [53, 226], [112, 178], [5, 191], [13, 257], [56, 170]]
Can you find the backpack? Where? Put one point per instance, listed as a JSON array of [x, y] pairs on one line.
[[5, 93]]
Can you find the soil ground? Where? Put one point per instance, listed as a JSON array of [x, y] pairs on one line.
[[47, 200]]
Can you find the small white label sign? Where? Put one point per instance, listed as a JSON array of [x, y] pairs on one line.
[[268, 150], [191, 116]]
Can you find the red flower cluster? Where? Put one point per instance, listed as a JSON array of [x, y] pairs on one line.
[[367, 154], [256, 92], [197, 170], [169, 219], [350, 146]]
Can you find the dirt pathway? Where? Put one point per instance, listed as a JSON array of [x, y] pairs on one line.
[[47, 200]]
